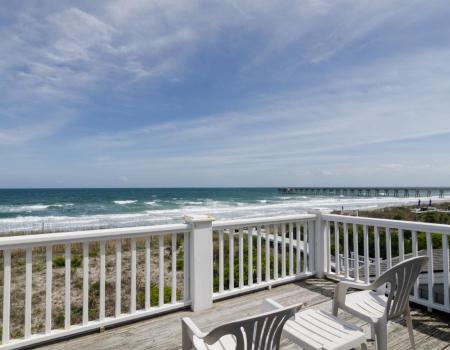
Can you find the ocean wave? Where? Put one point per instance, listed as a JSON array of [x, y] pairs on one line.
[[193, 202], [220, 210], [152, 203], [30, 207], [125, 202]]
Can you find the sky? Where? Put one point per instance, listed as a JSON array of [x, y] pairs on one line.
[[168, 93]]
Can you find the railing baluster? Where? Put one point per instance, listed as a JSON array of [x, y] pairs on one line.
[[186, 266], [388, 248], [221, 261], [161, 271], [67, 287], [414, 253], [231, 258], [291, 249], [445, 269], [267, 228], [174, 268], [48, 288], [275, 252], [337, 263], [401, 245], [283, 250], [430, 268], [366, 254], [102, 280], [85, 282], [118, 308], [241, 258], [6, 295], [311, 246], [258, 254], [328, 246], [133, 276], [28, 291], [355, 253], [297, 250], [250, 254], [147, 273], [305, 247], [377, 251], [346, 250]]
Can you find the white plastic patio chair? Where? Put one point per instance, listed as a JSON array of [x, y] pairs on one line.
[[262, 331], [374, 306]]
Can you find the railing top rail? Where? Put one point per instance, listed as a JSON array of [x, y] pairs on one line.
[[261, 221], [398, 224], [90, 235]]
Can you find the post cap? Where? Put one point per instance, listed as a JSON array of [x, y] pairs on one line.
[[198, 218]]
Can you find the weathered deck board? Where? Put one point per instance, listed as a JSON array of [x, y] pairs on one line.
[[164, 332]]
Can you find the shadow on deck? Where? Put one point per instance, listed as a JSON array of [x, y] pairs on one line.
[[431, 330]]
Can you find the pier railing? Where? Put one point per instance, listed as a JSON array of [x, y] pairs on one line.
[[61, 284]]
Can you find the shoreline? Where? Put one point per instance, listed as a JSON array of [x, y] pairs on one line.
[[225, 209]]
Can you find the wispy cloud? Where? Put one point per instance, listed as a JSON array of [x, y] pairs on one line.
[[236, 90]]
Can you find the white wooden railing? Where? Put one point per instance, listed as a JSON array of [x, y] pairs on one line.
[[102, 254], [61, 284], [281, 249], [384, 244]]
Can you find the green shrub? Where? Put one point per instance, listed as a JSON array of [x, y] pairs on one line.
[[154, 295], [76, 260], [59, 261]]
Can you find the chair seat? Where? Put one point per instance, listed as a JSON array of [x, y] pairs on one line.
[[315, 329], [368, 304], [224, 343]]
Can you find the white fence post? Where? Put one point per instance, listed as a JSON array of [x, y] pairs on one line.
[[320, 242], [201, 261]]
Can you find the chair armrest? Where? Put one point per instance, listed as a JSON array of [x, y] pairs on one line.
[[270, 305], [189, 330], [340, 292]]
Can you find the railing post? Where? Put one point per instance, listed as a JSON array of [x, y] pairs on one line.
[[320, 242], [201, 261]]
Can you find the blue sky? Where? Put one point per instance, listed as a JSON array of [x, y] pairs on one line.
[[224, 93]]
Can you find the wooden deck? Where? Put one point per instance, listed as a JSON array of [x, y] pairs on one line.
[[431, 331]]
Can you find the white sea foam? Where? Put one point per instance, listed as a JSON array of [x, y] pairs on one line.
[[193, 202], [217, 209], [152, 203], [125, 202], [30, 208]]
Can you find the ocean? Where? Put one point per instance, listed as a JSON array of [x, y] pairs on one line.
[[53, 210]]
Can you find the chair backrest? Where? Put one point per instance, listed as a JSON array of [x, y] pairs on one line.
[[400, 280], [261, 332]]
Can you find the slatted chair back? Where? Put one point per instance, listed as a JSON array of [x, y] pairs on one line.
[[261, 332], [399, 280]]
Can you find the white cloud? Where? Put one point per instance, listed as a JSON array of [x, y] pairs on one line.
[[29, 132], [62, 54]]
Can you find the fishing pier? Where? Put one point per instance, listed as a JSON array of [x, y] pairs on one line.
[[403, 192]]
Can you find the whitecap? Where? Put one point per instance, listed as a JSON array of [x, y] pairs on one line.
[[29, 207], [125, 202], [152, 203]]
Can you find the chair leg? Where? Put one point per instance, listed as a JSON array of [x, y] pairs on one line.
[[372, 331], [185, 338], [381, 335], [410, 327], [335, 309]]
